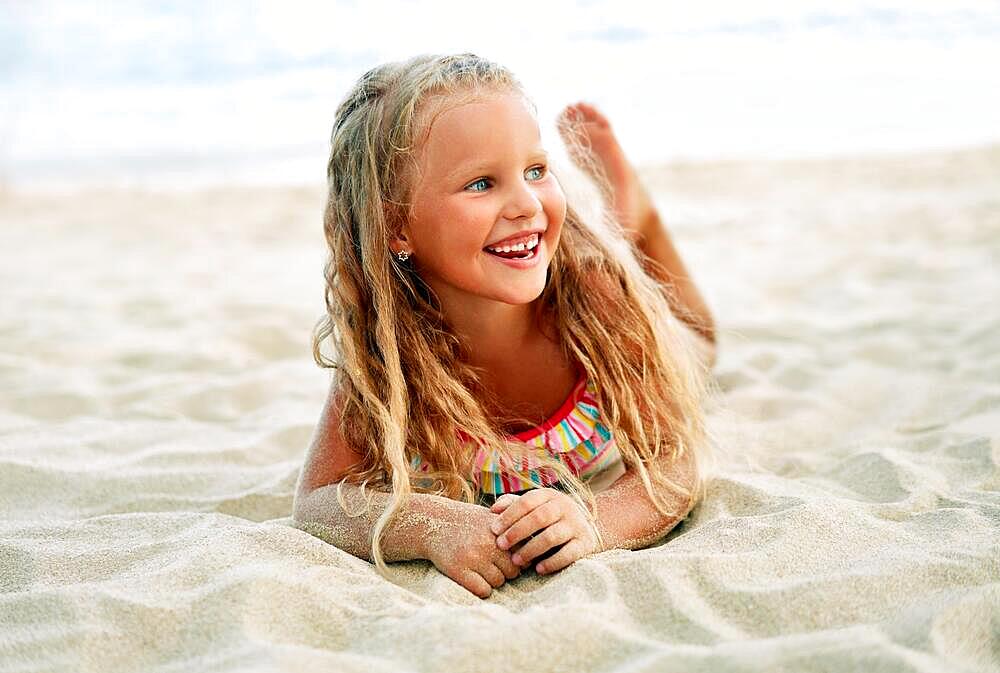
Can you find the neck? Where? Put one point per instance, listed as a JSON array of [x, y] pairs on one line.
[[494, 332]]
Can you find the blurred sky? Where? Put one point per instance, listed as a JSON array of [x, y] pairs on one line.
[[208, 92]]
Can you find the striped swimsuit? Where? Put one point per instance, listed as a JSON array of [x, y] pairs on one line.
[[573, 433]]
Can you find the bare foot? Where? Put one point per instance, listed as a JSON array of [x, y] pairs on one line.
[[593, 147]]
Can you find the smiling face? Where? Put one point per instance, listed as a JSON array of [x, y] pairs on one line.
[[483, 177]]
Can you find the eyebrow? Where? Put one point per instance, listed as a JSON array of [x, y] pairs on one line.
[[485, 168]]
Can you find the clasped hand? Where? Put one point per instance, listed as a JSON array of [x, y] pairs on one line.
[[553, 518], [484, 548]]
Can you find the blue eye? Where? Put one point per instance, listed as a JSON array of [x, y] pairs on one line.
[[480, 180], [540, 169]]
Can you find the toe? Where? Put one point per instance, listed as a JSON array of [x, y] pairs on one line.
[[572, 113], [592, 115]]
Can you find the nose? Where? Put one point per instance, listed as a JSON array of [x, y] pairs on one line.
[[521, 201]]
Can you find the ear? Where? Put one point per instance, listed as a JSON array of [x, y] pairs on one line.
[[401, 241]]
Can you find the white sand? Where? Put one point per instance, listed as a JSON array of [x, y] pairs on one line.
[[157, 395]]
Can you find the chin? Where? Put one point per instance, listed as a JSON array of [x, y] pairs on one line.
[[522, 297]]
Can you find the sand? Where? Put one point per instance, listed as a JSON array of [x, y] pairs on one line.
[[157, 395]]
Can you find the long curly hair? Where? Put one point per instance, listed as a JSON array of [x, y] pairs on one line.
[[404, 377]]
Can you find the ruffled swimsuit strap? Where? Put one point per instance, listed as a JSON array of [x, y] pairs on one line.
[[572, 433]]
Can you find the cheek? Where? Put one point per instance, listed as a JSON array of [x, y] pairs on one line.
[[554, 204], [451, 228], [464, 232]]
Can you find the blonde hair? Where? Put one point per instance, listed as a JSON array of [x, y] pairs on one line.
[[404, 376]]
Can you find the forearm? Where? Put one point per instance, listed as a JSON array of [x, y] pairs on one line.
[[422, 520], [627, 517], [686, 302]]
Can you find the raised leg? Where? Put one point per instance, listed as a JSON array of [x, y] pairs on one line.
[[594, 148]]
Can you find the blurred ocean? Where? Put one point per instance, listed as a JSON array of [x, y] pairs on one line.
[[182, 93]]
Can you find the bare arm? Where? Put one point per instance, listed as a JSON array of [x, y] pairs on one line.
[[453, 535], [419, 523], [628, 519], [316, 508]]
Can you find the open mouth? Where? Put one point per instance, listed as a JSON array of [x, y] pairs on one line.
[[522, 251], [520, 254]]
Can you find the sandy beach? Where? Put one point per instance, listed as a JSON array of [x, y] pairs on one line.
[[157, 394]]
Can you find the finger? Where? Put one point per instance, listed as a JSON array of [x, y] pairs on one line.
[[570, 552], [492, 574], [504, 563], [541, 517], [552, 536], [505, 512], [475, 583], [520, 507], [503, 502], [508, 514]]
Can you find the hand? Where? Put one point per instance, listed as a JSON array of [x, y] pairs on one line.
[[466, 551], [556, 519]]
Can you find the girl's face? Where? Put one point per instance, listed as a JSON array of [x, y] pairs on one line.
[[483, 179]]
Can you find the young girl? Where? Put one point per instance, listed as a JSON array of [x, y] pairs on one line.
[[511, 387]]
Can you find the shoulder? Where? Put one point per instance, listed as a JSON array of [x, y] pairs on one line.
[[329, 455]]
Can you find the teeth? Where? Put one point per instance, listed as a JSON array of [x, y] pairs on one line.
[[526, 245]]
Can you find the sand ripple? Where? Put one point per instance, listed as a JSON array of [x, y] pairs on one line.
[[157, 395]]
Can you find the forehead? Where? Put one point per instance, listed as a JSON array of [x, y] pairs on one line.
[[475, 127]]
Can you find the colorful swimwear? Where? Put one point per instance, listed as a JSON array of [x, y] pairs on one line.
[[573, 433]]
